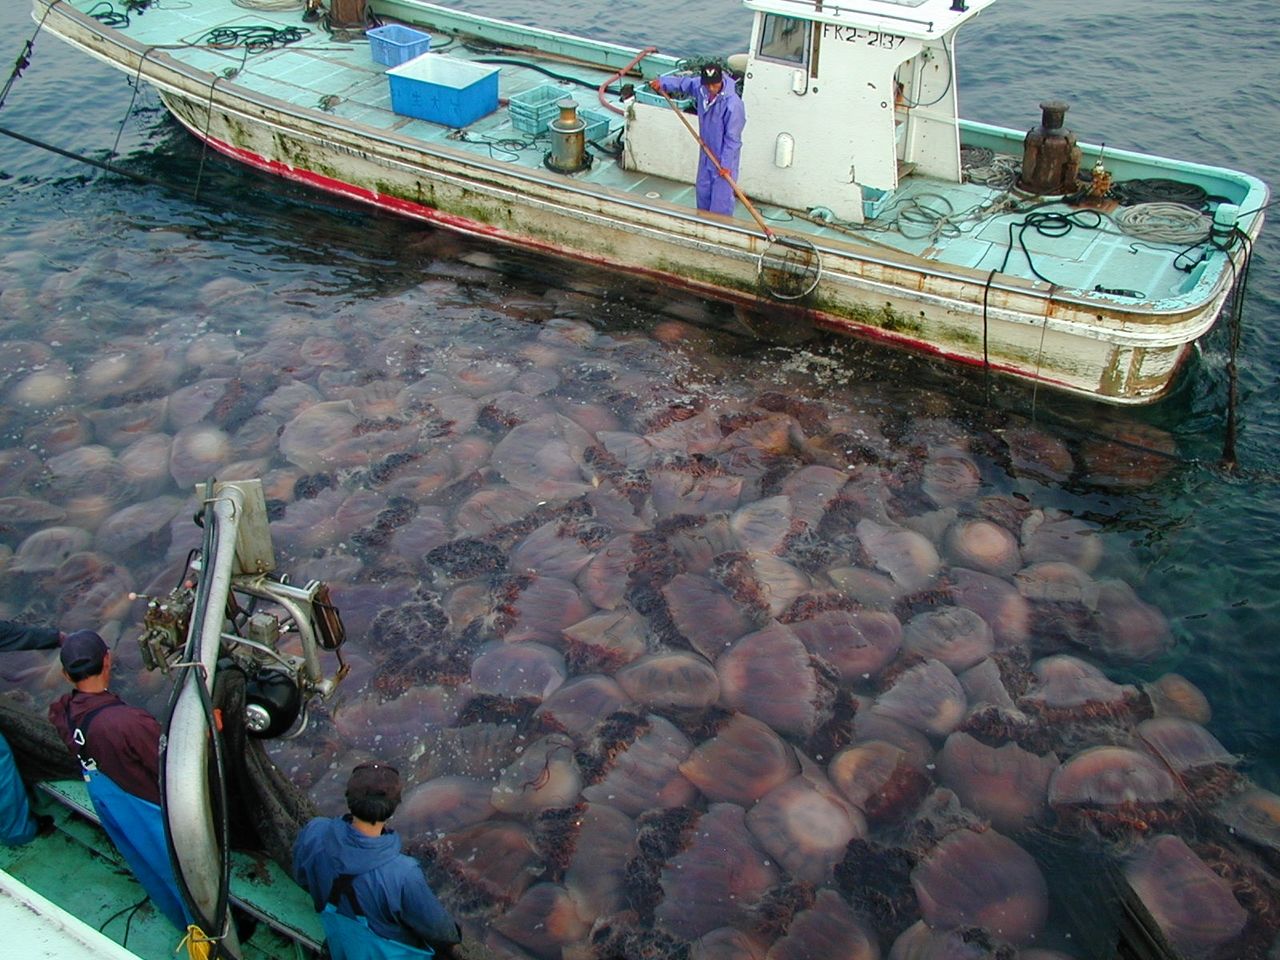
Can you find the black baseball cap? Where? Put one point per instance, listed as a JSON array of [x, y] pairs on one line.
[[83, 654]]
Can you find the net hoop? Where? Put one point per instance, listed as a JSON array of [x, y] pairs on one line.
[[789, 268]]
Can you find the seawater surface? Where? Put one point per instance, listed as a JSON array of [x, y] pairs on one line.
[[689, 643]]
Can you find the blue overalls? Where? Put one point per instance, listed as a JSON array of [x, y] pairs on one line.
[[135, 826], [349, 938]]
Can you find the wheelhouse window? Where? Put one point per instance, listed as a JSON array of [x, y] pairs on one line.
[[784, 38]]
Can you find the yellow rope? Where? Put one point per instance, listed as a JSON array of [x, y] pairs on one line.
[[199, 947]]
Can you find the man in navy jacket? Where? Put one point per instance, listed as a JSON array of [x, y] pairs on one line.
[[373, 900]]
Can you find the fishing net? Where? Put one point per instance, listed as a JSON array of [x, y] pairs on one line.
[[37, 748], [265, 810], [789, 268]]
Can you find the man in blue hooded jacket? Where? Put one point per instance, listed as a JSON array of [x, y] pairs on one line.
[[374, 902], [721, 118]]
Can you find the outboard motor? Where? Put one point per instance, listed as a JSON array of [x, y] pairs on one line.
[[568, 152], [1050, 157]]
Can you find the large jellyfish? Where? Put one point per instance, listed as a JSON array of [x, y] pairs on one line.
[[982, 880]]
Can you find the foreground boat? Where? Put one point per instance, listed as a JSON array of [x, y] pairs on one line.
[[873, 209]]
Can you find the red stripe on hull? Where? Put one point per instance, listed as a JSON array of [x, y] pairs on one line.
[[417, 211]]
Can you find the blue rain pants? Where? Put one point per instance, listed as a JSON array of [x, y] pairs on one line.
[[349, 938], [136, 827]]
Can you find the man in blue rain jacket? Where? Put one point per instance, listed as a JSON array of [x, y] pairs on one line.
[[721, 117], [119, 751], [373, 900]]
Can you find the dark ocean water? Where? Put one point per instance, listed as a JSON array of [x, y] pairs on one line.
[[91, 262]]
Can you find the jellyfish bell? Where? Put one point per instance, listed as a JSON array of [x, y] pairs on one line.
[[137, 525], [553, 550], [879, 779], [727, 943], [984, 880], [868, 588], [768, 674], [926, 697], [544, 921], [1131, 630], [444, 805], [1193, 907], [705, 613], [742, 762], [1173, 695], [63, 431], [1253, 816], [582, 702], [603, 849], [950, 477], [859, 644], [198, 452], [956, 636], [763, 525], [908, 558], [1007, 785], [829, 929], [607, 640], [497, 860], [1052, 535], [518, 670], [811, 489], [715, 879], [982, 545], [45, 550], [678, 679], [1069, 690], [805, 825], [921, 942], [1116, 791], [540, 608], [43, 388], [639, 765], [1036, 454], [997, 601]]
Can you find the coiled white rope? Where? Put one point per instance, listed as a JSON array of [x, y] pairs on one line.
[[1163, 222]]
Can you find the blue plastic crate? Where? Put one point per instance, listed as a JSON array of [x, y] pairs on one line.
[[597, 124], [645, 95], [443, 90], [532, 110], [394, 43], [874, 201]]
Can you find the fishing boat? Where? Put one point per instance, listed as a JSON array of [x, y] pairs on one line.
[[866, 205]]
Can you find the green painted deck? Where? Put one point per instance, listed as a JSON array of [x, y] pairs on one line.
[[77, 868]]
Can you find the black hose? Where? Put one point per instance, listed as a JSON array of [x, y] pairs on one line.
[[543, 70], [110, 167]]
